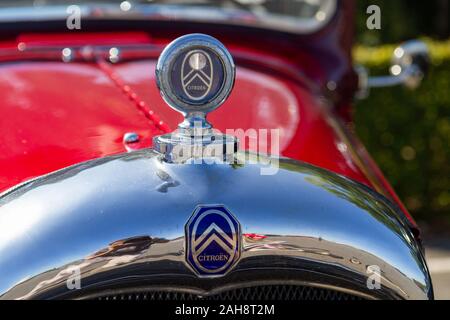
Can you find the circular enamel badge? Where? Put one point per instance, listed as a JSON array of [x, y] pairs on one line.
[[195, 73], [213, 240]]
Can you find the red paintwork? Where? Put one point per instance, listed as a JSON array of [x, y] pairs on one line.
[[55, 114], [79, 114], [254, 236]]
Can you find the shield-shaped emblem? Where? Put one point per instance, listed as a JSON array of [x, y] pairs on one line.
[[213, 240], [197, 74]]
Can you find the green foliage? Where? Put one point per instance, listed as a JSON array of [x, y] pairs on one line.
[[379, 57], [408, 132]]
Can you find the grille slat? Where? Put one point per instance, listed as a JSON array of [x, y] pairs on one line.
[[255, 293]]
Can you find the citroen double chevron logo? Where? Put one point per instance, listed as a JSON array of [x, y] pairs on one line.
[[197, 74], [213, 240]]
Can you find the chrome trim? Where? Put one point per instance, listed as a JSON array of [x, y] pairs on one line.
[[83, 53], [130, 137], [121, 220], [160, 12], [213, 292], [194, 138], [114, 55], [67, 55], [409, 65], [176, 50]]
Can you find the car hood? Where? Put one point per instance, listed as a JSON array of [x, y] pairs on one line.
[[58, 114]]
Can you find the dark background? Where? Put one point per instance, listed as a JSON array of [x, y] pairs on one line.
[[403, 19]]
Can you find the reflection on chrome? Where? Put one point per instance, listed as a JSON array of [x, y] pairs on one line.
[[109, 218]]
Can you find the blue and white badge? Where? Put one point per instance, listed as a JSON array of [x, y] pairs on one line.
[[213, 240]]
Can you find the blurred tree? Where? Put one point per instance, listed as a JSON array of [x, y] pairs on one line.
[[408, 132]]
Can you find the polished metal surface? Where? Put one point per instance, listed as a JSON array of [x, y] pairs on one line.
[[195, 75], [120, 222], [250, 14], [130, 137], [177, 64], [409, 64], [67, 55], [114, 55]]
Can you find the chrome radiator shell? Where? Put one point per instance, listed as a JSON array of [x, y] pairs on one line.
[[121, 221]]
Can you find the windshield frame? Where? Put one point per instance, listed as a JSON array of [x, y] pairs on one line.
[[176, 13]]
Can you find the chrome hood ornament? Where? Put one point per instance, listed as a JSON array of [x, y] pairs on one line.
[[195, 75]]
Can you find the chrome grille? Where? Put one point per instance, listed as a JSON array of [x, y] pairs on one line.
[[261, 293]]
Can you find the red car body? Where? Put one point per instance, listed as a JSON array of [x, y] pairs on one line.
[[55, 115]]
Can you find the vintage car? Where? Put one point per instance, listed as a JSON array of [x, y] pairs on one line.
[[116, 187]]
